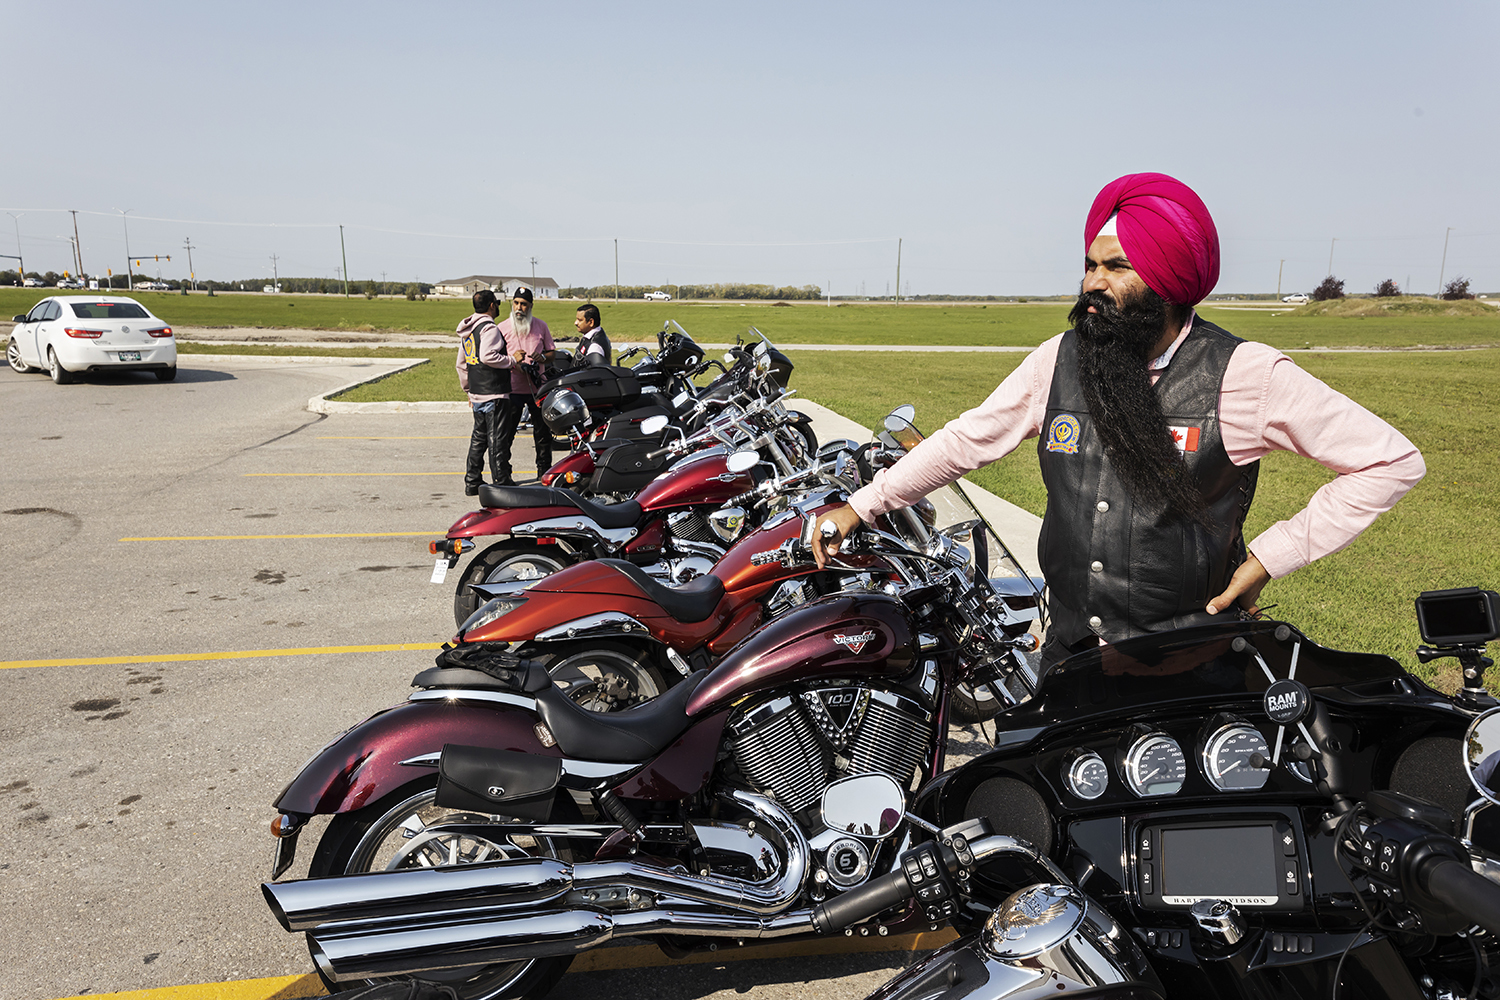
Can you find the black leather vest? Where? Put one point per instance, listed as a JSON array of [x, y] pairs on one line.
[[483, 380], [1114, 569]]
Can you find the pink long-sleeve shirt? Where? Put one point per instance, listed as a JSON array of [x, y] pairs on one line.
[[1266, 403]]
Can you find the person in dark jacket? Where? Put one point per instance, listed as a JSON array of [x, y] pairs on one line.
[[593, 342], [484, 367]]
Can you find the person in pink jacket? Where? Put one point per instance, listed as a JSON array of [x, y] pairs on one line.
[[1150, 423]]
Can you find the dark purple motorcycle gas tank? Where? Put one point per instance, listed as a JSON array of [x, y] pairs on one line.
[[845, 635], [704, 481]]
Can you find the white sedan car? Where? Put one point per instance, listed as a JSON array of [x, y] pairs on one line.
[[68, 334]]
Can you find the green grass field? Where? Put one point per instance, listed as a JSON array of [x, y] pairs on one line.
[[955, 325]]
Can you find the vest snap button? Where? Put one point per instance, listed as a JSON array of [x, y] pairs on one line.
[[1096, 622], [1103, 506], [1096, 566]]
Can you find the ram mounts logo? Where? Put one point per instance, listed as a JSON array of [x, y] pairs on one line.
[[855, 643], [1287, 702]]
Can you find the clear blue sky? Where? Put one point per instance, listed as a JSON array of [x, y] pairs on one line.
[[978, 132]]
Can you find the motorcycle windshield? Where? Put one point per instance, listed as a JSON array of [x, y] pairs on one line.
[[951, 510]]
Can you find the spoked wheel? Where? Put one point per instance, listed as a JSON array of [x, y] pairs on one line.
[[408, 830], [13, 358], [503, 562], [604, 677]]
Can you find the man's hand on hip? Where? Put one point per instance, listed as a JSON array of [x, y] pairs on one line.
[[845, 520], [1244, 587]]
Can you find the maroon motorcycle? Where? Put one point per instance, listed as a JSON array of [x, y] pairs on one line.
[[511, 827]]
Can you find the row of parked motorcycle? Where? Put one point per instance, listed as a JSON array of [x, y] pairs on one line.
[[660, 719]]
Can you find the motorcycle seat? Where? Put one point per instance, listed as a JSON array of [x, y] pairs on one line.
[[617, 515], [694, 601], [632, 736]]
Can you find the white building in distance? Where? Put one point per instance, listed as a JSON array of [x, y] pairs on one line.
[[503, 286]]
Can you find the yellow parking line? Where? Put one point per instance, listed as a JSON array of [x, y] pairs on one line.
[[598, 960], [242, 538], [275, 988], [242, 654]]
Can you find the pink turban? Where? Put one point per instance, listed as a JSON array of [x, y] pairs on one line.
[[1166, 231]]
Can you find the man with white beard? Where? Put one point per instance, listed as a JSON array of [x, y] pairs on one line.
[[526, 338]]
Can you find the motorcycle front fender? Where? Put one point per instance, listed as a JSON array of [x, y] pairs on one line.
[[382, 753], [500, 521]]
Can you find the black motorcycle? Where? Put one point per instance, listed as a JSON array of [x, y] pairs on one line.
[[1226, 811]]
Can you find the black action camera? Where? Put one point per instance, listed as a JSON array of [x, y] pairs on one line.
[[1462, 617]]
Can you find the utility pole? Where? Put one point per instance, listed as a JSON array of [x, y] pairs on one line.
[[1278, 278], [1330, 256], [382, 282], [275, 275], [345, 254], [22, 264], [1440, 270], [617, 270], [77, 243], [898, 271], [533, 274], [187, 242]]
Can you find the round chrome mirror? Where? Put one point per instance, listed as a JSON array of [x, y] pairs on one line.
[[866, 805], [654, 425], [1482, 754], [742, 461], [900, 417]]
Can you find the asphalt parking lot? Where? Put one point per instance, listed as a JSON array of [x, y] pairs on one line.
[[183, 564]]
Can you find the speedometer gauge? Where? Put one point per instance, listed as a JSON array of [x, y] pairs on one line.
[[1087, 776], [1226, 758], [1155, 765]]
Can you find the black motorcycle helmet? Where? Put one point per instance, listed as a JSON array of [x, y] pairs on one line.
[[565, 411]]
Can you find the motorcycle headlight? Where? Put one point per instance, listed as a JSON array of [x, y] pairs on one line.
[[491, 610]]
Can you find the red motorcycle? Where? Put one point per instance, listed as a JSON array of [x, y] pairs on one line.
[[727, 807]]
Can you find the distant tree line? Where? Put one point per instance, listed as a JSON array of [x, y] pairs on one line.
[[729, 291]]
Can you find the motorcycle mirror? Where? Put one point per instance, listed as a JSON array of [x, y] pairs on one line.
[[900, 417], [730, 358], [1482, 755], [654, 425], [866, 805], [742, 461]]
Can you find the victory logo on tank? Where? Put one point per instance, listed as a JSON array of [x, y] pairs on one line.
[[854, 643]]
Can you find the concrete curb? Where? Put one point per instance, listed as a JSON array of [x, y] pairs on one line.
[[322, 404]]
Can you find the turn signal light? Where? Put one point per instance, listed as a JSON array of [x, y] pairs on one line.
[[450, 546], [84, 334], [165, 331]]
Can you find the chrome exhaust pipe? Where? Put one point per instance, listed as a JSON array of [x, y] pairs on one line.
[[301, 906], [411, 896], [363, 951]]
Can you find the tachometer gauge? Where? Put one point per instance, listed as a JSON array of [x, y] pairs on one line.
[[1226, 758], [1087, 775], [1155, 765]]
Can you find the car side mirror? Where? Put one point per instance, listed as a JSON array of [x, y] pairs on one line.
[[19, 319]]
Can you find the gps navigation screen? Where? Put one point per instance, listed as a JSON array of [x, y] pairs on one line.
[[1233, 863]]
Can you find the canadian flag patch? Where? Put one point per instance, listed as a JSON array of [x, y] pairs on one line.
[[1186, 438]]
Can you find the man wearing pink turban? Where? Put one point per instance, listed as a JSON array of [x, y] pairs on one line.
[[1151, 423]]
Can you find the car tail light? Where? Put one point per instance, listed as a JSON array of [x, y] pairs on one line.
[[84, 334], [165, 331]]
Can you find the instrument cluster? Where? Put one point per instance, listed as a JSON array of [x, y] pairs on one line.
[[1228, 753]]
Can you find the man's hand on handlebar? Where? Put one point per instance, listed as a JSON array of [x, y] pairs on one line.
[[844, 520]]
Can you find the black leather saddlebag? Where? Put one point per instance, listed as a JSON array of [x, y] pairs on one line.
[[627, 469], [499, 782]]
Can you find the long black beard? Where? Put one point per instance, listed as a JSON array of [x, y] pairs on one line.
[[1114, 346]]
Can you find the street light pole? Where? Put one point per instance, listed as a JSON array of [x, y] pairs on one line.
[[21, 263], [1440, 270], [187, 242], [129, 272], [77, 243], [617, 270], [1278, 278], [1330, 256]]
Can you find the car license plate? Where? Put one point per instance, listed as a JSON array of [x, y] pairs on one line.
[[130, 355]]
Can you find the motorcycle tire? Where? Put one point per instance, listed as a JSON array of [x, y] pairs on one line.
[[502, 562], [602, 676], [969, 704], [379, 837]]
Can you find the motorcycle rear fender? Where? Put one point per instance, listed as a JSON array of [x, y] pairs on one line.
[[580, 463], [365, 764], [500, 521]]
